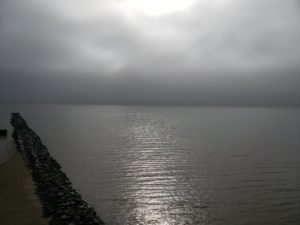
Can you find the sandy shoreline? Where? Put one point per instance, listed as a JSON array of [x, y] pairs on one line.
[[18, 203], [7, 149]]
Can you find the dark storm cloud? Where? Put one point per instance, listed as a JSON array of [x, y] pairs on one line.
[[211, 52]]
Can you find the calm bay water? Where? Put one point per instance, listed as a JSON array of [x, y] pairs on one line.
[[177, 165]]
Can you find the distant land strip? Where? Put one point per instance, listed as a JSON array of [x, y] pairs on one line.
[[61, 203]]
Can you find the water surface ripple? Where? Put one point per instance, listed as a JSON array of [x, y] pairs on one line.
[[178, 165]]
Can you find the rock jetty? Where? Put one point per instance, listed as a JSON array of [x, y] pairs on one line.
[[62, 204]]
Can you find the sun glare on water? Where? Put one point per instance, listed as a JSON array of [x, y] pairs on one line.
[[157, 7]]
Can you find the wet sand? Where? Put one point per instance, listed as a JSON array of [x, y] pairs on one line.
[[18, 203]]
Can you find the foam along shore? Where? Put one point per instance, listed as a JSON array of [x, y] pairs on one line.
[[61, 203], [18, 203]]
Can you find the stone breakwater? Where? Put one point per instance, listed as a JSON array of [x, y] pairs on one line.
[[62, 204]]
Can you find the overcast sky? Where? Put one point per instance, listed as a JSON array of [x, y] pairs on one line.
[[150, 51]]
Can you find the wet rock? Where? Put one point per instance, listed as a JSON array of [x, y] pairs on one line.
[[62, 204], [64, 217]]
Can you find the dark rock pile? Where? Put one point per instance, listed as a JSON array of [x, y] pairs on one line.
[[61, 202]]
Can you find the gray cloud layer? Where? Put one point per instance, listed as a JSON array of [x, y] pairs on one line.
[[90, 51]]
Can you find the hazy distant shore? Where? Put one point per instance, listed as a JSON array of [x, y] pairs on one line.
[[18, 203]]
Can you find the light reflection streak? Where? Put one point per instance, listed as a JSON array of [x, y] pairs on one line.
[[157, 187]]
